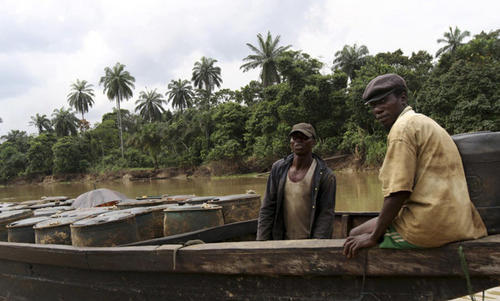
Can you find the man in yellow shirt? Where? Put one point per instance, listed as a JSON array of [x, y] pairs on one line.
[[426, 201]]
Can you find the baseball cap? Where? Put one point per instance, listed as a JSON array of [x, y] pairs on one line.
[[304, 128]]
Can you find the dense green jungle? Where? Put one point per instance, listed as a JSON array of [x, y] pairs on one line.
[[222, 131]]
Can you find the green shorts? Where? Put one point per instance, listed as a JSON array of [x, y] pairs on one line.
[[393, 240]]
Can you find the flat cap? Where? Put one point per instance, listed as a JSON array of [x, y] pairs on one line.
[[383, 85], [304, 128]]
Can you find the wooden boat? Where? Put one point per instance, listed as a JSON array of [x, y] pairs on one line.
[[271, 270]]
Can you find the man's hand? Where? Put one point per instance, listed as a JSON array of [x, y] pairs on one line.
[[354, 243]]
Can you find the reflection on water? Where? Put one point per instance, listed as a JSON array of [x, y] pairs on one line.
[[358, 192], [137, 188], [355, 191]]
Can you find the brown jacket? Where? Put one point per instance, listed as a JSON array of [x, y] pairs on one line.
[[271, 224]]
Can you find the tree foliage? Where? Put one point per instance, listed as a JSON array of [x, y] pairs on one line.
[[205, 75], [149, 138], [265, 55], [149, 105], [68, 156], [247, 129], [118, 85], [350, 59], [65, 122], [39, 156], [81, 96], [463, 95], [41, 122], [180, 94], [453, 39]]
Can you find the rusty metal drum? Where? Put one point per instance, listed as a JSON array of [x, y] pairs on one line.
[[44, 205], [4, 205], [146, 228], [68, 202], [201, 199], [480, 154], [178, 198], [22, 230], [13, 207], [51, 210], [54, 198], [55, 230], [140, 203], [105, 230], [33, 202], [145, 221], [186, 218], [8, 217], [158, 216], [239, 207], [83, 212]]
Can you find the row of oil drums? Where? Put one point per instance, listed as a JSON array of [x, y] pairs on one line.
[[128, 221]]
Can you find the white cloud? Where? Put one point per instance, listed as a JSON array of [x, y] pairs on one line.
[[47, 45]]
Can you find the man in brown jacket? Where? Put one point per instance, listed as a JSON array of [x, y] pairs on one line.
[[300, 195]]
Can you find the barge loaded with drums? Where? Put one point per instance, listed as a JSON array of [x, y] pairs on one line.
[[190, 248]]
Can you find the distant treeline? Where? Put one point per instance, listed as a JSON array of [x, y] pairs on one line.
[[246, 129]]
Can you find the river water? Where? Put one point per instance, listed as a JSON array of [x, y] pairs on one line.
[[355, 192]]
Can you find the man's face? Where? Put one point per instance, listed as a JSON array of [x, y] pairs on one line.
[[301, 144], [387, 109]]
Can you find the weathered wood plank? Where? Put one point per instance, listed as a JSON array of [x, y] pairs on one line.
[[324, 257], [214, 234], [61, 255], [141, 259], [144, 258], [22, 281], [271, 258], [343, 222]]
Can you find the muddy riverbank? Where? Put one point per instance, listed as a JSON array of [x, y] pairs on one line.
[[342, 163]]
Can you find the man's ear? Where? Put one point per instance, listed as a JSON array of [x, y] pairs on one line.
[[404, 98]]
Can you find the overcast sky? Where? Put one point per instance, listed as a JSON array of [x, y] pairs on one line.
[[46, 45]]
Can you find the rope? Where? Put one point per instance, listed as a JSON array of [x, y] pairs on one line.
[[465, 269], [186, 244], [363, 293]]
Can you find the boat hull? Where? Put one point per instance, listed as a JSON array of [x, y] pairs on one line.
[[272, 270], [38, 282]]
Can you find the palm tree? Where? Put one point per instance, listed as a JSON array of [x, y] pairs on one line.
[[350, 59], [180, 94], [206, 75], [81, 96], [149, 105], [65, 122], [265, 57], [15, 136], [41, 122], [118, 85], [453, 39]]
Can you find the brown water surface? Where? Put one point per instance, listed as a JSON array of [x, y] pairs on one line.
[[355, 191]]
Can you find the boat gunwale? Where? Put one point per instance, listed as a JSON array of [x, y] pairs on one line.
[[267, 258]]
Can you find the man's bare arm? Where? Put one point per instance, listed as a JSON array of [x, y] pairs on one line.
[[390, 209]]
